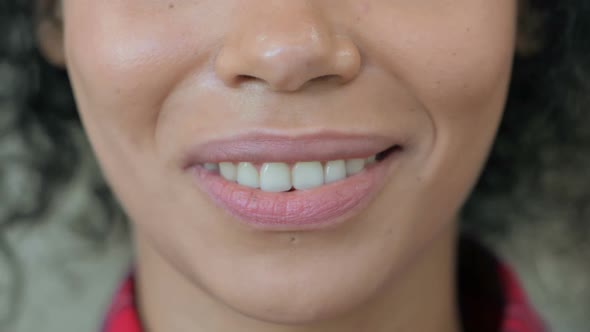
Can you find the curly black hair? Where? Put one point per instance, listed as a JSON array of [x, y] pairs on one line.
[[538, 162], [42, 149], [543, 146]]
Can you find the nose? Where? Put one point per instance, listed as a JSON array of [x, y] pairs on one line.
[[286, 47]]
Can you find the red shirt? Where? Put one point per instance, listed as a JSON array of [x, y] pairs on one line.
[[490, 298]]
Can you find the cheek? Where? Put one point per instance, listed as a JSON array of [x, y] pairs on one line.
[[452, 61], [125, 59], [463, 86], [122, 69], [456, 64]]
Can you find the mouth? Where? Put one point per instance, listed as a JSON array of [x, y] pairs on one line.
[[302, 191], [288, 177]]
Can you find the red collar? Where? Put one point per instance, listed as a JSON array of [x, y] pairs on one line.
[[122, 315], [491, 298]]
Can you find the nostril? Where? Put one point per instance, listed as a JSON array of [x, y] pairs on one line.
[[244, 78], [327, 79]]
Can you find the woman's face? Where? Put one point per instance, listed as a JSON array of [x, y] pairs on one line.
[[164, 87]]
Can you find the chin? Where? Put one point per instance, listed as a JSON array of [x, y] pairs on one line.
[[303, 308], [308, 296]]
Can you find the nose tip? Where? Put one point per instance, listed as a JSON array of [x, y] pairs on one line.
[[287, 58]]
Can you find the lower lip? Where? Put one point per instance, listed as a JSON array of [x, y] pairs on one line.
[[319, 208]]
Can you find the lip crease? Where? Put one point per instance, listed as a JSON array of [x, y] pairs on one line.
[[319, 208]]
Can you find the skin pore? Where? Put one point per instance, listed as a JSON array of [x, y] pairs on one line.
[[154, 78]]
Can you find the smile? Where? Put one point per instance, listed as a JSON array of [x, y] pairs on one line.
[[291, 195]]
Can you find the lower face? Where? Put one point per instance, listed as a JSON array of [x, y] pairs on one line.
[[163, 108]]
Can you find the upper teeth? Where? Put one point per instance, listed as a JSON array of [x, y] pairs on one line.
[[279, 177]]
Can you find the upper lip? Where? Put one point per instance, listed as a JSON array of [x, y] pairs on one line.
[[259, 147]]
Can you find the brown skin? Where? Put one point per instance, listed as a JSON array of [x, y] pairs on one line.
[[153, 77]]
